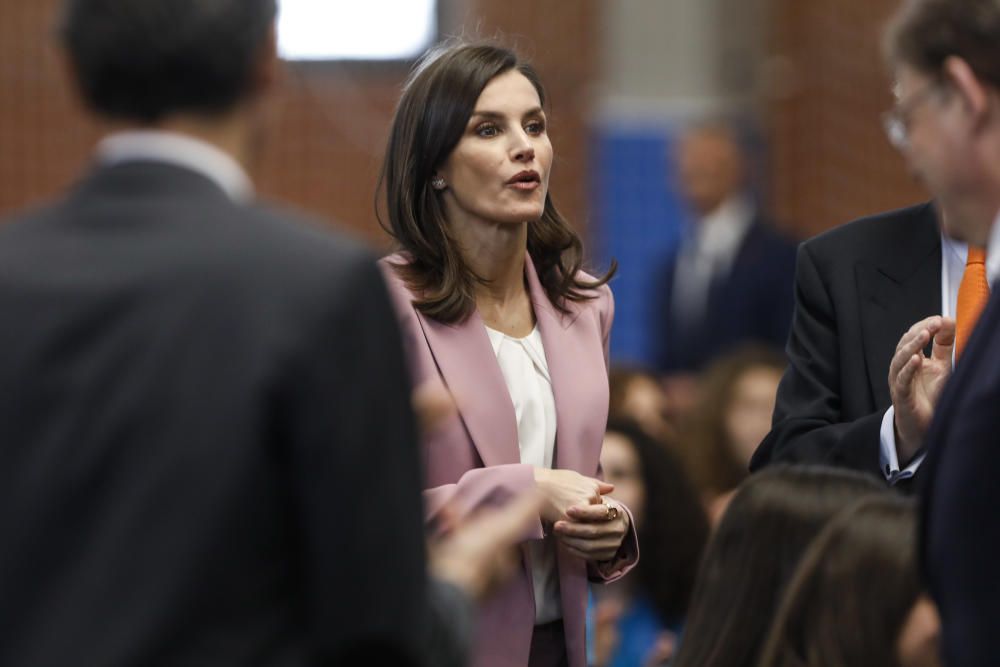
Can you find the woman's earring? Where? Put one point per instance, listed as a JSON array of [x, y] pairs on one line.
[[438, 183]]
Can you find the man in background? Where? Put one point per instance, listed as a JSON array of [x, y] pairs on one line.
[[730, 281], [207, 452]]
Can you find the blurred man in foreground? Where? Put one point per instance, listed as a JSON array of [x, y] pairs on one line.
[[201, 394]]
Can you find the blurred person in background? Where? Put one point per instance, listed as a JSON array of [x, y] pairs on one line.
[[496, 310], [752, 554], [730, 418], [856, 597], [638, 620], [730, 279], [637, 395], [201, 393]]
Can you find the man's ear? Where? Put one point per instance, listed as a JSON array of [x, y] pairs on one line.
[[267, 70], [975, 96], [68, 75]]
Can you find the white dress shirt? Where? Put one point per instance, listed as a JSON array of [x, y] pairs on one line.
[[709, 253], [993, 253], [180, 150], [526, 372], [953, 257]]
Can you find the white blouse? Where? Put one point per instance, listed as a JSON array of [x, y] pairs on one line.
[[526, 372]]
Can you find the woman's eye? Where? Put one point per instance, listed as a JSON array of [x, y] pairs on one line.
[[535, 127], [487, 130]]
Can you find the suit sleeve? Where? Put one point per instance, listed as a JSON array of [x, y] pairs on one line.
[[807, 426], [349, 438]]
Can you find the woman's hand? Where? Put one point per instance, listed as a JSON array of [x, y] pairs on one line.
[[593, 532], [563, 489]]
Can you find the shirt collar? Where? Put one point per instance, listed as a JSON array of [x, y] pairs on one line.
[[179, 150], [957, 250], [719, 234], [993, 252]]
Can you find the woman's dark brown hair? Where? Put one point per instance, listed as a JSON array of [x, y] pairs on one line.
[[769, 524], [705, 444], [847, 602], [437, 102]]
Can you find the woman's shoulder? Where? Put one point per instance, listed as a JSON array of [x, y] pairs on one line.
[[600, 298], [390, 266], [402, 296]]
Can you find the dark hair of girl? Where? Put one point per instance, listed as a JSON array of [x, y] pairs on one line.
[[674, 528], [851, 594], [752, 555]]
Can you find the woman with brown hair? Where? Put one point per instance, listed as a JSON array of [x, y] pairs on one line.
[[856, 597], [751, 556], [496, 311], [731, 416]]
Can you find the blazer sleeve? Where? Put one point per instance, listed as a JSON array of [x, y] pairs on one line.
[[807, 426], [628, 553], [624, 560], [483, 487]]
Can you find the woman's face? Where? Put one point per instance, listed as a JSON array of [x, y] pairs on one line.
[[748, 419], [622, 468], [917, 645], [499, 171]]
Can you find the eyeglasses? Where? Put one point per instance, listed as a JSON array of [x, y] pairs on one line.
[[896, 121]]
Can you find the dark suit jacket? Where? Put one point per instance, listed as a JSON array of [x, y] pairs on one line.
[[960, 527], [858, 288], [206, 453], [752, 303]]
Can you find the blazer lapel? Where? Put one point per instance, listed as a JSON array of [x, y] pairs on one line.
[[576, 371], [465, 357], [895, 292]]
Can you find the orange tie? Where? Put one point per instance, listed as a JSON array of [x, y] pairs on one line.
[[973, 294]]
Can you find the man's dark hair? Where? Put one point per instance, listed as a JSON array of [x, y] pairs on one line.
[[924, 33], [143, 60]]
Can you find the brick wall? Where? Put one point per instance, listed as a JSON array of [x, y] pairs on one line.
[[830, 161], [326, 125]]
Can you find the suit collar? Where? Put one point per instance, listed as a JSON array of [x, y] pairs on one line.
[[920, 239], [179, 150], [137, 180]]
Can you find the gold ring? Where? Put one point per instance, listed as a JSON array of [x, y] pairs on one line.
[[611, 509]]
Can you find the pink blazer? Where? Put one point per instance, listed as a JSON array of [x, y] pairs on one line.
[[474, 460]]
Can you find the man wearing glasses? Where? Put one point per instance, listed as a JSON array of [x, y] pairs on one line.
[[946, 57], [871, 298]]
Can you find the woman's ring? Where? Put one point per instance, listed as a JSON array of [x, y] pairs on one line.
[[612, 510]]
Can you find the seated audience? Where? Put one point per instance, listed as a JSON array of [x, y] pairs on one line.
[[771, 520], [856, 596], [636, 395], [637, 619], [731, 417]]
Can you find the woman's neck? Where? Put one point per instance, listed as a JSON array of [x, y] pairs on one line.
[[496, 252]]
